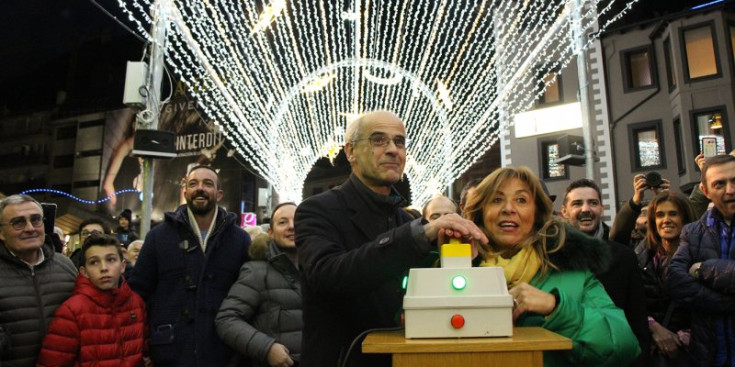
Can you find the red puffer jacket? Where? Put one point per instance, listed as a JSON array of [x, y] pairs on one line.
[[97, 328]]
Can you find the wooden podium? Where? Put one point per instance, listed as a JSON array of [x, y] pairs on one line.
[[524, 348]]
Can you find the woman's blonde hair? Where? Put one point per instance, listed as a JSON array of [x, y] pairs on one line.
[[545, 226]]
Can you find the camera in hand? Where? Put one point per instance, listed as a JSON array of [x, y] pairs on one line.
[[653, 180]]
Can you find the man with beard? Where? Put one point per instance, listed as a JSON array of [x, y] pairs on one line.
[[261, 316], [356, 244], [582, 208], [184, 271]]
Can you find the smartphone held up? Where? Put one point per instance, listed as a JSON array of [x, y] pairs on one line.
[[709, 146]]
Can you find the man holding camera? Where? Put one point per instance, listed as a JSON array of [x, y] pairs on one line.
[[625, 221], [35, 280]]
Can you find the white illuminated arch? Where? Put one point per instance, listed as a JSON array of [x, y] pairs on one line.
[[280, 76]]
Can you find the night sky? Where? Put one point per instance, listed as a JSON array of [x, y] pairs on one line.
[[71, 45]]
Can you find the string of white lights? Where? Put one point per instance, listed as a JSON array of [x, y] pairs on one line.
[[281, 78]]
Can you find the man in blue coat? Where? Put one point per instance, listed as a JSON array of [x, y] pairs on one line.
[[184, 271], [355, 245], [701, 275]]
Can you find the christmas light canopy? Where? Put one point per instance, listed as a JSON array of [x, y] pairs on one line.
[[282, 78]]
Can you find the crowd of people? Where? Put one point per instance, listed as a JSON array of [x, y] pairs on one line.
[[657, 287]]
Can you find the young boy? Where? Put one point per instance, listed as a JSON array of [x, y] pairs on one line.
[[103, 323]]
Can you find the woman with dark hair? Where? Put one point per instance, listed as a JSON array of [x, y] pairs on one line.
[[668, 212], [549, 269]]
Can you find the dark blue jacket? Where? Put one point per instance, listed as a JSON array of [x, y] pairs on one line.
[[184, 289], [711, 296], [353, 253]]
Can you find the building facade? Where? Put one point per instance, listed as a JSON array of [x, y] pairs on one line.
[[656, 88]]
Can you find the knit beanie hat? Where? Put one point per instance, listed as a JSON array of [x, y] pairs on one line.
[[127, 214]]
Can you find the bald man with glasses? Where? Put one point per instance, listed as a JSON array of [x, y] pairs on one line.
[[356, 244], [35, 280]]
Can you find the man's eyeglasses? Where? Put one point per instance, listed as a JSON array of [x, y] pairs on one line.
[[381, 140], [86, 233], [19, 223]]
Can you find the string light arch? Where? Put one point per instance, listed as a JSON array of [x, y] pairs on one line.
[[282, 78]]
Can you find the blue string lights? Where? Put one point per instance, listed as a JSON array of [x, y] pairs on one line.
[[89, 202]]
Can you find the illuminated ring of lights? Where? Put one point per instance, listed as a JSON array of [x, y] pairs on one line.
[[418, 84], [395, 79], [90, 202]]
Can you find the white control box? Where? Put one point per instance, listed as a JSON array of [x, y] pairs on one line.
[[457, 302]]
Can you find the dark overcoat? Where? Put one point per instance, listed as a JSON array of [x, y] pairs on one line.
[[351, 271], [183, 288], [623, 282]]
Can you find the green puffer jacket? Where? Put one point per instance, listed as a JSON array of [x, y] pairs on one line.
[[599, 330]]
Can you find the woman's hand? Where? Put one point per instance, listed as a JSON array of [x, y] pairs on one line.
[[666, 341], [665, 185], [278, 356], [527, 298]]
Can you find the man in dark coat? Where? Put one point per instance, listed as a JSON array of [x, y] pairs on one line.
[[355, 245], [34, 280], [582, 208], [184, 271], [701, 274]]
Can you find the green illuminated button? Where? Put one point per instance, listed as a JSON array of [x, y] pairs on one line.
[[405, 282], [459, 282]]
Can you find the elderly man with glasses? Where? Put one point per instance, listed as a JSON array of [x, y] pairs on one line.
[[356, 244], [35, 280]]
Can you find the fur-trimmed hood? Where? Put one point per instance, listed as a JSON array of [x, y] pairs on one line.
[[259, 247], [580, 252]]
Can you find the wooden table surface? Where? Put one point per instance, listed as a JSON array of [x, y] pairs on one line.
[[523, 339]]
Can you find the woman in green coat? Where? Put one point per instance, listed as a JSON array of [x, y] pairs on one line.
[[549, 269]]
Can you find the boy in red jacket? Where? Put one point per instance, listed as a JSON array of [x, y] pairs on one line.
[[103, 323]]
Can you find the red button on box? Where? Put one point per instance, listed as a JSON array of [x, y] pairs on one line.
[[457, 321]]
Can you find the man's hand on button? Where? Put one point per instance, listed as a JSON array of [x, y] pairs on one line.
[[453, 226]]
